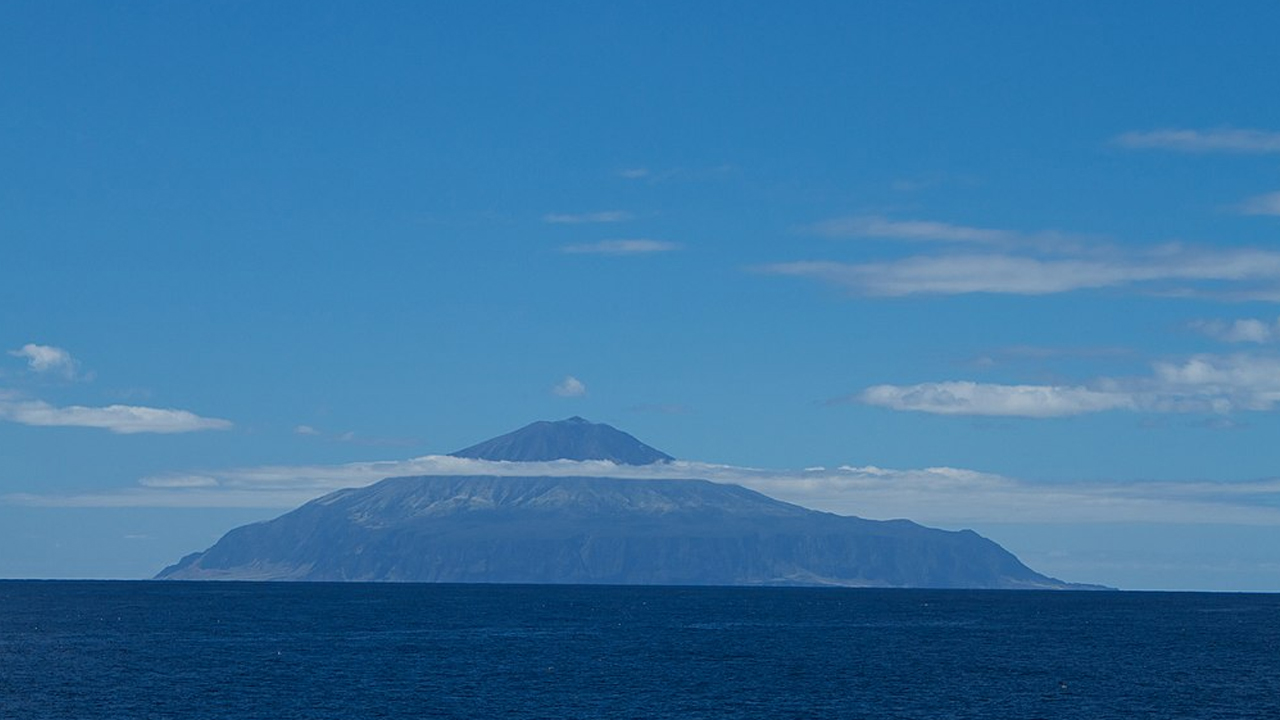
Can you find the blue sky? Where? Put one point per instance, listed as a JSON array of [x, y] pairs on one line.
[[1011, 265]]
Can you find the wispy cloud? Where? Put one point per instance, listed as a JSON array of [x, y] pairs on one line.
[[955, 275], [1244, 330], [1228, 140], [621, 247], [1201, 384], [936, 495], [570, 387], [915, 230], [687, 174], [1267, 204], [121, 419], [876, 226], [1170, 269], [47, 359], [604, 216]]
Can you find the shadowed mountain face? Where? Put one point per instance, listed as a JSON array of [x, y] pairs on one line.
[[488, 529], [572, 439]]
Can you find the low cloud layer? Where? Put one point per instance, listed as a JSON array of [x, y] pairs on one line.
[[938, 495]]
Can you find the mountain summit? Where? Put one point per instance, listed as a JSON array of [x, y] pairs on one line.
[[571, 439]]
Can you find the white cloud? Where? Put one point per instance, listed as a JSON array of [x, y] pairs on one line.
[[305, 430], [936, 495], [1268, 204], [634, 173], [621, 247], [1171, 269], [605, 216], [570, 387], [47, 359], [970, 398], [1217, 383], [1239, 331], [121, 419], [1230, 140]]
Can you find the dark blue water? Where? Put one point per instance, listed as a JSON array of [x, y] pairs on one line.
[[85, 650]]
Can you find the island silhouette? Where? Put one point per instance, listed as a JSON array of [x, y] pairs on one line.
[[549, 529]]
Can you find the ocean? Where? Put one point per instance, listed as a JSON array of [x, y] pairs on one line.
[[82, 650]]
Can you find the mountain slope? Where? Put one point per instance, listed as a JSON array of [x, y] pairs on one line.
[[596, 530], [572, 439]]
